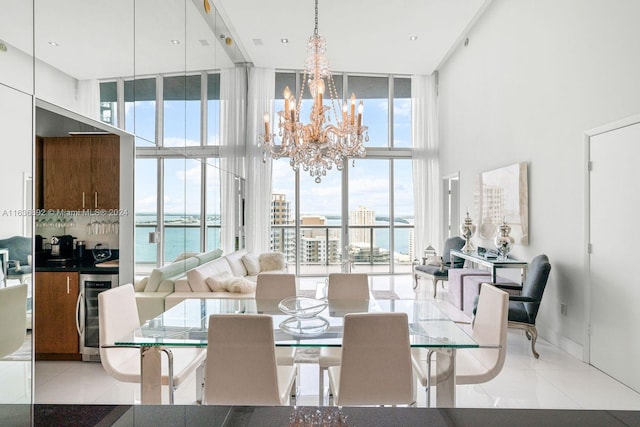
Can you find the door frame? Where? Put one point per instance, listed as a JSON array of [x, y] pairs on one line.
[[628, 121], [446, 211]]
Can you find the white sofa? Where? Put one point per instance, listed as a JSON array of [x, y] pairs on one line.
[[151, 291], [230, 268], [187, 278]]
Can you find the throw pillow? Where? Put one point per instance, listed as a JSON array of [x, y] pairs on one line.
[[240, 285], [271, 261], [218, 283], [251, 263]]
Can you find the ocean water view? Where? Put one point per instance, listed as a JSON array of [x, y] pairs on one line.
[[182, 234]]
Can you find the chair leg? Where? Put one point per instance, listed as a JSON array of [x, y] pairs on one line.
[[415, 281], [534, 336], [170, 374], [321, 386], [435, 287], [200, 373], [429, 354]]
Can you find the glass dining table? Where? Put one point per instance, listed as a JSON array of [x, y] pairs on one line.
[[186, 323]]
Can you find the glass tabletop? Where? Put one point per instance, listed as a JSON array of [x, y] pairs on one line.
[[473, 256], [186, 323]]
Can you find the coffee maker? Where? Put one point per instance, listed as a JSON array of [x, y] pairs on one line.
[[62, 247]]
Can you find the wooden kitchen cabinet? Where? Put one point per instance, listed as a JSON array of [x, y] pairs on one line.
[[55, 333], [81, 172]]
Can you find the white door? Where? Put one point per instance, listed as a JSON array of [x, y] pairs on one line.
[[614, 230]]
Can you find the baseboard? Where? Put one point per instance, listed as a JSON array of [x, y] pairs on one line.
[[564, 343]]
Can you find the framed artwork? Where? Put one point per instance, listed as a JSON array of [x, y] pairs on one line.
[[503, 194]]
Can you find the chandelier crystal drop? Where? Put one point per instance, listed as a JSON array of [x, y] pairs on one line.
[[333, 134]]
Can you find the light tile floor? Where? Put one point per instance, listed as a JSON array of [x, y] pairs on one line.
[[556, 380]]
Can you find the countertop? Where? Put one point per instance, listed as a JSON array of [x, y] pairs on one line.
[[86, 265]]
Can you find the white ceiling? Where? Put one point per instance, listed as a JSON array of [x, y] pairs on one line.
[[100, 40]]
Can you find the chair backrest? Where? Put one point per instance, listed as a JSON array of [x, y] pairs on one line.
[[117, 316], [19, 248], [241, 363], [533, 287], [275, 286], [455, 242], [13, 318], [376, 360], [353, 286], [490, 328]]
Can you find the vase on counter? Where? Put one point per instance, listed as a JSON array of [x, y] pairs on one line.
[[467, 230], [503, 241]]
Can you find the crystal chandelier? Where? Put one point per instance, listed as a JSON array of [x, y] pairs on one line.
[[329, 138]]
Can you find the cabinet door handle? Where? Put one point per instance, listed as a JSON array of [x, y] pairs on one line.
[[95, 199], [79, 328], [83, 200], [68, 280]]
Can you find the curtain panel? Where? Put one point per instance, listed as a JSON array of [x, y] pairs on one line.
[[233, 91], [426, 173], [258, 203]]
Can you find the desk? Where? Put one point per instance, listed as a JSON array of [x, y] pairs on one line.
[[492, 264], [186, 325]]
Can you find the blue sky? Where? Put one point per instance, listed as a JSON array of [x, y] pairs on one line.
[[369, 179]]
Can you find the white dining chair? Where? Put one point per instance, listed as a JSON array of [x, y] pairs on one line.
[[375, 368], [277, 286], [117, 317], [241, 364], [474, 365], [340, 286], [13, 318]]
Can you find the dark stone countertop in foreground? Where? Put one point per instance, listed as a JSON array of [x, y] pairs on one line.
[[192, 416]]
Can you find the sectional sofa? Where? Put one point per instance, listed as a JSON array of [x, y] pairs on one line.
[[206, 275]]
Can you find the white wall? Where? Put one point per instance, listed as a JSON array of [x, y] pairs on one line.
[[534, 77], [15, 144]]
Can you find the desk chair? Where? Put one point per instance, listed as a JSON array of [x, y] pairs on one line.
[[439, 273], [523, 308], [19, 262]]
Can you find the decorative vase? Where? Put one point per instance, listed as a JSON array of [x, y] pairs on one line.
[[467, 231], [503, 241]]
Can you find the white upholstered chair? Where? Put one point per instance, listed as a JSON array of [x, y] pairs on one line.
[[376, 362], [475, 365], [241, 365], [13, 318], [340, 286], [277, 286], [118, 316]]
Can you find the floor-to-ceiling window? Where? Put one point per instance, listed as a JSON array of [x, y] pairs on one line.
[[176, 120], [375, 235]]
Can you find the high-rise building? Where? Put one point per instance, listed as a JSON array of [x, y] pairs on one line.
[[282, 238], [361, 216]]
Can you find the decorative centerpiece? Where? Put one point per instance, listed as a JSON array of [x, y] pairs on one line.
[[467, 231], [503, 241], [304, 320]]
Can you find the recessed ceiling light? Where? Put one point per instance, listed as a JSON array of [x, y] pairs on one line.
[[413, 38], [284, 41], [257, 42], [54, 44], [175, 41]]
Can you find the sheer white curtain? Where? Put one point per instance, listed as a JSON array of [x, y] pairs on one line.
[[233, 89], [258, 203], [426, 173]]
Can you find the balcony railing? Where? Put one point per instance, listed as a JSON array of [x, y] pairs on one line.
[[321, 246]]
